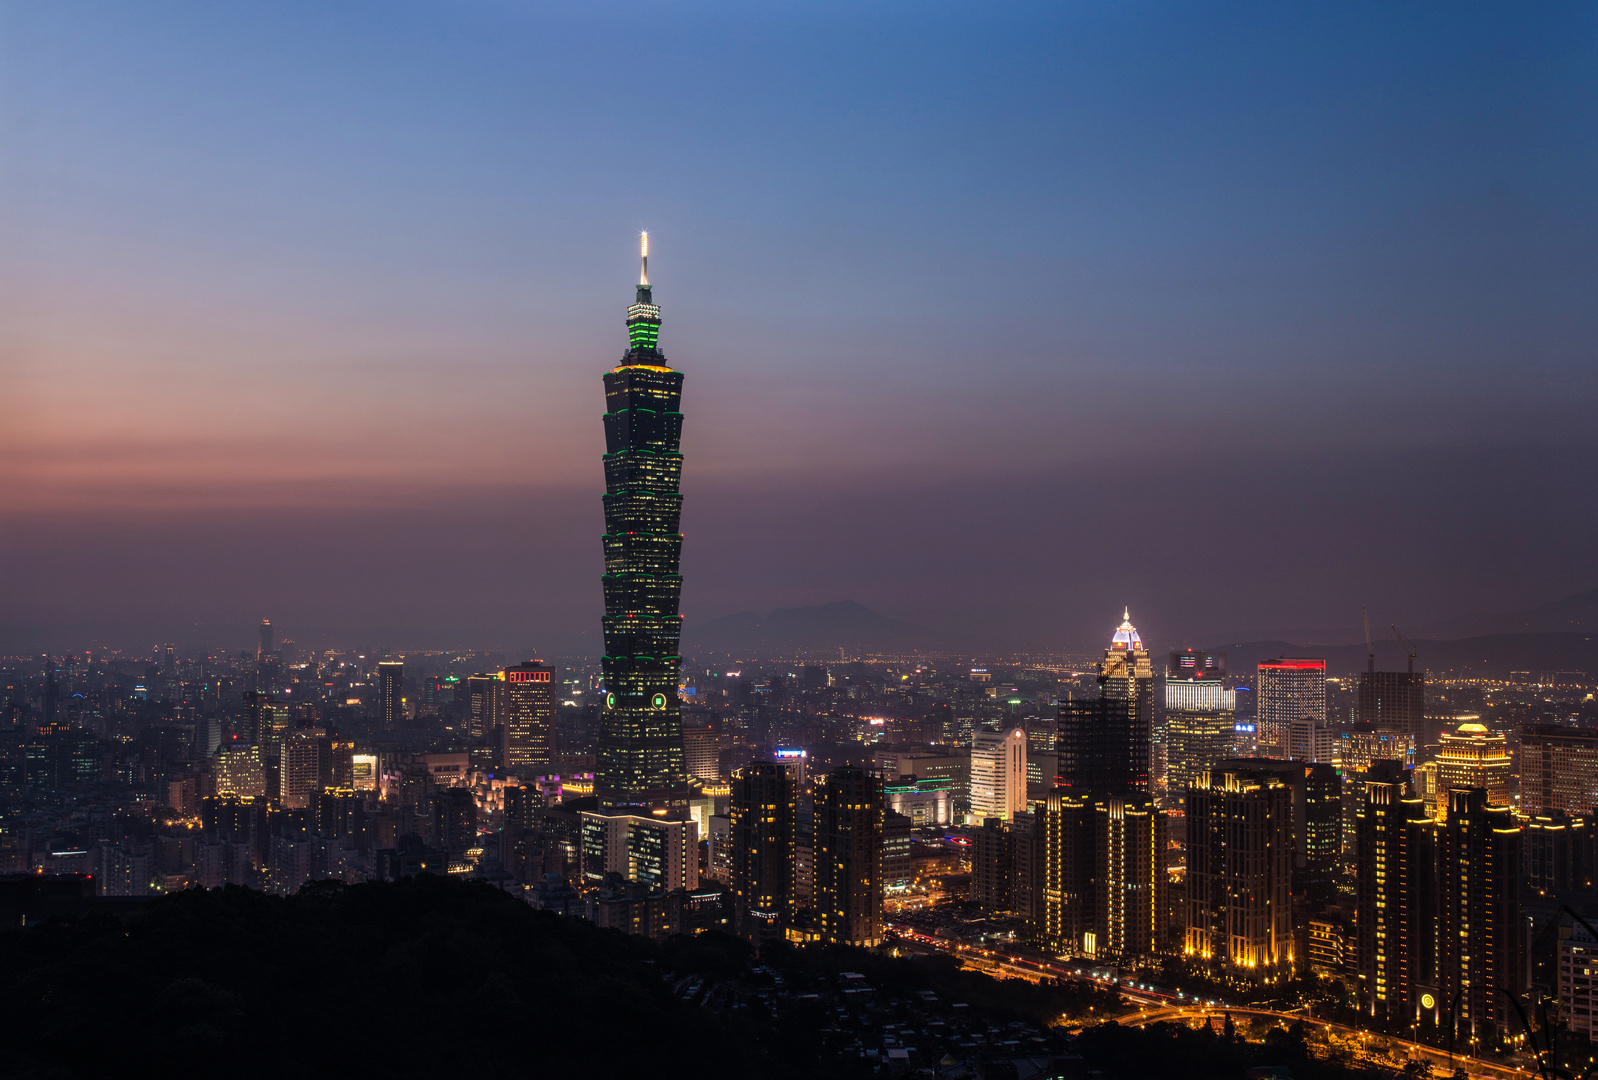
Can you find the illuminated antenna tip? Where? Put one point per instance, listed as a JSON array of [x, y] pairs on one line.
[[643, 245], [643, 258]]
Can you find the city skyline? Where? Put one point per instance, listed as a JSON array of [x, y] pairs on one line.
[[274, 335]]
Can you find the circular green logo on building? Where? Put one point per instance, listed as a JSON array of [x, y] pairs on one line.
[[660, 701]]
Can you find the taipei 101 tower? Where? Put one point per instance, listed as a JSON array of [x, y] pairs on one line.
[[641, 764]]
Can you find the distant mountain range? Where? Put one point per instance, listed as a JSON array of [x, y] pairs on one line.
[[1495, 654], [1574, 614], [820, 630]]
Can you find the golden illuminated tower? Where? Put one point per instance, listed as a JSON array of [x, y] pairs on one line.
[[1473, 757]]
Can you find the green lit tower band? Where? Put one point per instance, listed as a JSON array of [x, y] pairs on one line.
[[641, 762]]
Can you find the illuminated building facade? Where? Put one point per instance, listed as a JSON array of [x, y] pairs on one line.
[[239, 772], [1557, 854], [1578, 982], [1355, 746], [1558, 770], [529, 709], [1482, 948], [1473, 757], [702, 753], [1287, 689], [641, 760], [300, 768], [998, 774], [1126, 675], [1240, 871], [925, 802], [764, 818], [1395, 844], [1067, 893], [1200, 717], [848, 872], [391, 692], [662, 854], [1130, 905], [486, 699]]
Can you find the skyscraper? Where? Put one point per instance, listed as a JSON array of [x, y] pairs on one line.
[[1240, 871], [848, 823], [529, 715], [1395, 844], [1200, 715], [1129, 835], [998, 774], [1068, 893], [391, 692], [265, 644], [640, 739], [1289, 689], [764, 810], [1125, 674]]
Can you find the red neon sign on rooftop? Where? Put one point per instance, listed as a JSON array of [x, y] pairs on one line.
[[1293, 665]]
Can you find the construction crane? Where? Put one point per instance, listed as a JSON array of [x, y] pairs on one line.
[[1370, 650], [1406, 645]]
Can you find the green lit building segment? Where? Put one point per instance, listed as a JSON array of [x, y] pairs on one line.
[[641, 759]]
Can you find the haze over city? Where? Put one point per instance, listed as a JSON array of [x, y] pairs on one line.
[[994, 320]]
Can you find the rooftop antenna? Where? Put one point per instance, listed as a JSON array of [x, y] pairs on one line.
[[1406, 645], [643, 259], [1370, 650]]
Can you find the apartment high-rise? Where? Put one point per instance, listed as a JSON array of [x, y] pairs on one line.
[[1482, 943], [848, 827], [1287, 689], [1558, 770], [992, 865], [998, 774], [1068, 893], [764, 815], [391, 692], [1130, 905], [1240, 871], [1473, 757], [1395, 846], [301, 765], [529, 709], [640, 739]]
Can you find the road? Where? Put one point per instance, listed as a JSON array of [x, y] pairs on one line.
[[1439, 1058], [1169, 1007]]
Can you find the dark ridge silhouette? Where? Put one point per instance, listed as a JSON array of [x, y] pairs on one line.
[[1496, 655], [425, 977]]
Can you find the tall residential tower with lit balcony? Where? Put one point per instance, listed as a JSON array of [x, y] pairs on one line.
[[641, 762]]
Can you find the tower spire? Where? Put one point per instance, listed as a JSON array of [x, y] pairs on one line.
[[643, 317]]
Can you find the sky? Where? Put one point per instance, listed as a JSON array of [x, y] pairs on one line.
[[994, 318]]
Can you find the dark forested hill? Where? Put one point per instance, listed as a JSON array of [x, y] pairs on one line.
[[425, 977]]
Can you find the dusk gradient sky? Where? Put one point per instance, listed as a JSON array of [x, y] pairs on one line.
[[995, 318]]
